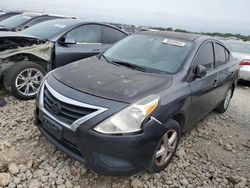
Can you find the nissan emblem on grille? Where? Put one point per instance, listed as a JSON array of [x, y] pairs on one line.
[[56, 108]]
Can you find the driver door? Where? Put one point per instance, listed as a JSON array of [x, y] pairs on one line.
[[85, 42], [203, 90]]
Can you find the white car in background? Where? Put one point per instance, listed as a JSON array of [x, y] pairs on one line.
[[241, 52]]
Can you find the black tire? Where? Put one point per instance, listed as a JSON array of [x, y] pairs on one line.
[[11, 74], [154, 167], [223, 106]]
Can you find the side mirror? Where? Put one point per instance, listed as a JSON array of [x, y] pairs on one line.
[[69, 40], [200, 71]]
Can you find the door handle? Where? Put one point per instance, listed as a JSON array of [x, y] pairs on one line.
[[215, 83], [96, 50], [232, 74]]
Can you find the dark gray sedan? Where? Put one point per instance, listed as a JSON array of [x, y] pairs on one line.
[[26, 56], [125, 111]]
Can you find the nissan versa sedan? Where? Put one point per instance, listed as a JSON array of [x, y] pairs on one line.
[[124, 111], [26, 56]]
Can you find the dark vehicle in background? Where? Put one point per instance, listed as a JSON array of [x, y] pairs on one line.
[[26, 56], [22, 21], [241, 51], [5, 15], [125, 110]]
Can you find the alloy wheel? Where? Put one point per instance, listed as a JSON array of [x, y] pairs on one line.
[[166, 148], [28, 81]]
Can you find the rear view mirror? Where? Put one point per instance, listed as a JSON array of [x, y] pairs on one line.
[[69, 40], [200, 71]]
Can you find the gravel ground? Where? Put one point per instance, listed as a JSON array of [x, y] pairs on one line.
[[214, 154]]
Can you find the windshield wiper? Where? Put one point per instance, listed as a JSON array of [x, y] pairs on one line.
[[133, 66], [105, 58], [126, 64]]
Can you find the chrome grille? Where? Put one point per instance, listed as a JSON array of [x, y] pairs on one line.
[[69, 113]]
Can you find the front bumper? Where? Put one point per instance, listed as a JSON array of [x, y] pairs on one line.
[[244, 73], [106, 154]]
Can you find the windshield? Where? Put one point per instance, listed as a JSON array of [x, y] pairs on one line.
[[15, 21], [49, 29], [151, 52], [236, 46]]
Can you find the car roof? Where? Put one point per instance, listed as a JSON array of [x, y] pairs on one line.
[[38, 14], [69, 24], [33, 14], [75, 22], [171, 34]]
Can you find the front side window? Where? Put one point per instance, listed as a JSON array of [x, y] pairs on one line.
[[111, 35], [86, 34], [220, 55], [155, 53], [205, 56], [49, 28]]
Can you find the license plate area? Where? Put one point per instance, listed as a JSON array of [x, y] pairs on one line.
[[53, 128]]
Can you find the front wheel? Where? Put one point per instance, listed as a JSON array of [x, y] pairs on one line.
[[24, 79], [225, 103], [166, 148]]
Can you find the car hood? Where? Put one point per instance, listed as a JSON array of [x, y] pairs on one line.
[[15, 43], [15, 34], [110, 81]]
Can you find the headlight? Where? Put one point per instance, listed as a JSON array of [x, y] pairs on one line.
[[129, 119]]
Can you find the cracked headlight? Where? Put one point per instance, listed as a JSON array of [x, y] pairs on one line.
[[129, 119]]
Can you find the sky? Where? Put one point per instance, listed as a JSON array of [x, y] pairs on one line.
[[193, 15]]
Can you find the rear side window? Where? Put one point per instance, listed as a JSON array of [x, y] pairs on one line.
[[205, 56], [86, 34], [220, 55], [111, 35]]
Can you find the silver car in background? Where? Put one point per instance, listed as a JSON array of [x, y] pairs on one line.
[[241, 52]]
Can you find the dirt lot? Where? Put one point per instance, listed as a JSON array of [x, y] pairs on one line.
[[215, 154]]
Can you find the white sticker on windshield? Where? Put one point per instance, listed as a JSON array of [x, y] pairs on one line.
[[60, 25], [27, 17], [174, 42]]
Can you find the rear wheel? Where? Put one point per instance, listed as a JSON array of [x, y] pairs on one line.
[[225, 103], [166, 148], [24, 79]]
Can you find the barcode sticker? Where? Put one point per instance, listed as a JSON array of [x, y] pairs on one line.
[[60, 25], [174, 42]]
